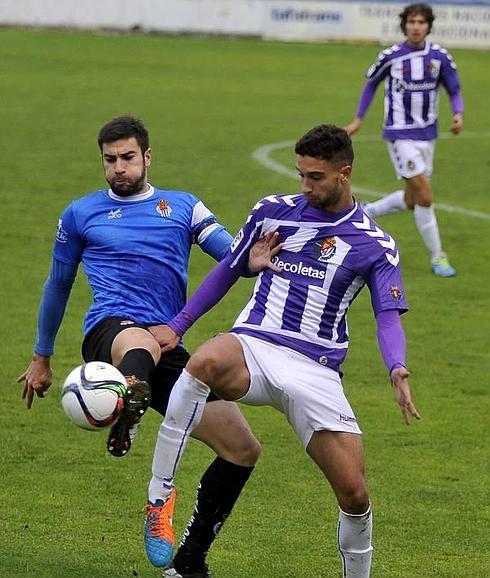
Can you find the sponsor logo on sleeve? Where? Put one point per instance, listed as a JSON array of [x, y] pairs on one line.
[[236, 240], [61, 234]]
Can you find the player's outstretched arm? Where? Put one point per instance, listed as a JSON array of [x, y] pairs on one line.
[[353, 126], [36, 378], [401, 390]]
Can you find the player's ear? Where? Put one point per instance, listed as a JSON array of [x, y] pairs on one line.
[[345, 173], [147, 157]]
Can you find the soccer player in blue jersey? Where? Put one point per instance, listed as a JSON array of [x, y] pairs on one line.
[[413, 73], [134, 241], [287, 345]]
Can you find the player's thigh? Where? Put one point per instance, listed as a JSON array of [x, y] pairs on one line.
[[224, 429], [112, 337], [340, 457], [134, 338], [220, 363]]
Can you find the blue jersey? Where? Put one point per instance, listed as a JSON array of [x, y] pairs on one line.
[[135, 252]]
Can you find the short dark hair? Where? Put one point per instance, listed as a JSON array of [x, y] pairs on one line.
[[413, 9], [124, 127], [328, 142]]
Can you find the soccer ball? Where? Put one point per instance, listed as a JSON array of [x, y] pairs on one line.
[[92, 395]]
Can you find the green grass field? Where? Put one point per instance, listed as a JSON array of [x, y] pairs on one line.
[[68, 508]]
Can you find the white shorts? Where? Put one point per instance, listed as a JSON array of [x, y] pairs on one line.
[[412, 157], [310, 395]]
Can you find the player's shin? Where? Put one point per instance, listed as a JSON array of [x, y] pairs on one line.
[[217, 493], [426, 222], [184, 413], [354, 540], [389, 204]]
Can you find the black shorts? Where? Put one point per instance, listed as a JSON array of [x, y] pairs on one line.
[[97, 347]]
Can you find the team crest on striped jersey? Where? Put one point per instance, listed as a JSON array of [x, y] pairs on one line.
[[163, 208], [434, 68], [395, 293], [328, 248]]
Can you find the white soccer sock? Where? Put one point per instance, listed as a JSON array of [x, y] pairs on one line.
[[354, 539], [184, 413], [392, 203], [425, 219]]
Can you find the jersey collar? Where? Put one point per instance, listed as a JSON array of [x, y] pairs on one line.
[[133, 198]]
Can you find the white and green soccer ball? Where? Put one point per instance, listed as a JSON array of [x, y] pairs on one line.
[[93, 395]]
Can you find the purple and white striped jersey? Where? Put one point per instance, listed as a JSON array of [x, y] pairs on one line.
[[326, 259], [412, 80]]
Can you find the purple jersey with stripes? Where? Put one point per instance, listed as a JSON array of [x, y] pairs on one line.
[[326, 259], [412, 80]]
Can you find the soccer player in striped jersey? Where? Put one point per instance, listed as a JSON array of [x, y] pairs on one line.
[[413, 73], [287, 346], [134, 241]]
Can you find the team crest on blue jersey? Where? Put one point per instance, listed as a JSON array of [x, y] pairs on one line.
[[328, 248], [163, 208], [395, 293]]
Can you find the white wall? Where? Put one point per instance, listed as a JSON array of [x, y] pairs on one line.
[[315, 20]]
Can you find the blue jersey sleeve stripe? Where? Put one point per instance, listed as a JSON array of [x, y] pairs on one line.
[[217, 243]]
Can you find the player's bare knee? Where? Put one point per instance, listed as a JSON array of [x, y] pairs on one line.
[[244, 453], [203, 365], [154, 348], [424, 200], [354, 500], [251, 450]]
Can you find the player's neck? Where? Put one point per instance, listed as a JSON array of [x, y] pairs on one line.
[[415, 45]]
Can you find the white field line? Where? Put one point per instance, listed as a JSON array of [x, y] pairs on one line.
[[262, 156]]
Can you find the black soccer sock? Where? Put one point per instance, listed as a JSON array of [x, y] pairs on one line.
[[216, 495], [138, 363]]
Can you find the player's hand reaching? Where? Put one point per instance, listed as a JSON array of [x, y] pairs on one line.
[[165, 336], [263, 251], [401, 390], [353, 126], [37, 378], [457, 124]]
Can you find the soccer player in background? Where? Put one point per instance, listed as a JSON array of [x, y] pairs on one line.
[[134, 241], [287, 345], [413, 73]]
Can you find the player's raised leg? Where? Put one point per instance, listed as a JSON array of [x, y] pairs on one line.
[[135, 353], [389, 204], [224, 429]]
